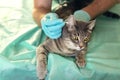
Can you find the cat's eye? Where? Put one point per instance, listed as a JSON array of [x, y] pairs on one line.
[[86, 39], [75, 38]]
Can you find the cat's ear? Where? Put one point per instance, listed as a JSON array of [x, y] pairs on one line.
[[70, 23], [91, 25], [71, 20]]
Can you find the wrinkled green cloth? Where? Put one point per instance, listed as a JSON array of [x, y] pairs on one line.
[[19, 37]]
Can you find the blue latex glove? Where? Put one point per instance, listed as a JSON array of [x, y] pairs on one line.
[[82, 15], [52, 25]]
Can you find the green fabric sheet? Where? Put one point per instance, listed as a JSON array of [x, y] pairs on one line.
[[19, 37]]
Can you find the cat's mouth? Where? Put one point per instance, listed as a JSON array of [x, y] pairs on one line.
[[81, 48]]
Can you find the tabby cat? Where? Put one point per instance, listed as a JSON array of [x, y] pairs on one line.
[[73, 42]]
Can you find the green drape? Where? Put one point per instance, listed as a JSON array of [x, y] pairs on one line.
[[19, 37]]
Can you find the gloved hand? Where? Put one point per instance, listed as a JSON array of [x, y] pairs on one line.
[[52, 25], [81, 15]]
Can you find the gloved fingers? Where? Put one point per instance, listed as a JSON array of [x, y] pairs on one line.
[[81, 15], [52, 25], [53, 22], [55, 36], [55, 32], [52, 34], [56, 27], [44, 28]]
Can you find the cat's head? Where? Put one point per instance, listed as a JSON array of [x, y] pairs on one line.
[[79, 32]]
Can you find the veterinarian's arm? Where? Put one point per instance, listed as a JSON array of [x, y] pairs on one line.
[[41, 7], [94, 9], [99, 6], [50, 22], [118, 1]]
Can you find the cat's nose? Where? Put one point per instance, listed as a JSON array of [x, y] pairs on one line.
[[81, 47]]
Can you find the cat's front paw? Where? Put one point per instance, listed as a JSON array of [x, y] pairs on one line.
[[81, 63], [41, 66], [42, 75]]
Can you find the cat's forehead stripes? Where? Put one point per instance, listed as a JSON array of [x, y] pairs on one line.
[[81, 25]]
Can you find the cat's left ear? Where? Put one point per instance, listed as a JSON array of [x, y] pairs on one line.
[[70, 23], [91, 25]]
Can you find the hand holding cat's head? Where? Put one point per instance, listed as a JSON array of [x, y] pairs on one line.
[[71, 23]]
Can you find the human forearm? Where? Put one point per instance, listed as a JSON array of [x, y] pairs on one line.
[[99, 6], [118, 1], [41, 7], [39, 13]]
